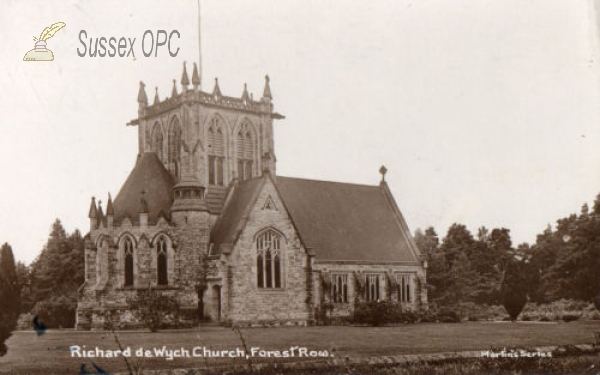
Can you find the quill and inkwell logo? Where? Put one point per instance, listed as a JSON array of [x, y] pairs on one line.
[[40, 52]]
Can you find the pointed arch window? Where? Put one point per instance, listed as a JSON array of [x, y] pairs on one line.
[[372, 287], [174, 147], [162, 276], [128, 260], [245, 151], [157, 141], [404, 287], [216, 153], [339, 288], [100, 260], [268, 260]]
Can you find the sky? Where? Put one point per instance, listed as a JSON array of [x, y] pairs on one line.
[[484, 112]]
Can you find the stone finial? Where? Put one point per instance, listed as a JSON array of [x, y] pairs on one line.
[[196, 77], [184, 78], [267, 90], [245, 96], [100, 212], [216, 89], [383, 170], [174, 91], [142, 98], [93, 213], [110, 210], [156, 99]]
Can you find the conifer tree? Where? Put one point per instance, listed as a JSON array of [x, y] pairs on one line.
[[513, 290], [9, 295]]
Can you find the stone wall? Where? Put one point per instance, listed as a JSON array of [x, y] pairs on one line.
[[105, 290], [356, 274], [253, 305]]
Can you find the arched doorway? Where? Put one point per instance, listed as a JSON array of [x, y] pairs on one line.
[[216, 302], [200, 292]]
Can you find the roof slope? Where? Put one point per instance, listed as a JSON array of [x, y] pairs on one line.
[[150, 177], [345, 222], [236, 211]]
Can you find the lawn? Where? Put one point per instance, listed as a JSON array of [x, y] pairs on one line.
[[29, 353]]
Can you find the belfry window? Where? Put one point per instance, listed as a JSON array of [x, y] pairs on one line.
[[404, 288], [268, 260], [245, 152], [128, 260], [174, 147], [161, 262], [216, 153], [339, 288], [372, 287], [157, 141]]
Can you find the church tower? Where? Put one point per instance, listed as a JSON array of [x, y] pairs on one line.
[[209, 136]]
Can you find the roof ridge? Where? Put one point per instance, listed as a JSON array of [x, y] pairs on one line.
[[328, 182]]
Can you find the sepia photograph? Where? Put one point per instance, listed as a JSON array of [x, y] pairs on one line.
[[300, 187]]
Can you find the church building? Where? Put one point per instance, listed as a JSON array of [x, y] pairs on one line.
[[203, 217]]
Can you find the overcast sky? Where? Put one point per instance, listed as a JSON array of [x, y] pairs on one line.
[[484, 112]]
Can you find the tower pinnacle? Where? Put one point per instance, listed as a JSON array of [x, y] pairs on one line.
[[195, 77], [184, 78], [142, 98], [267, 90]]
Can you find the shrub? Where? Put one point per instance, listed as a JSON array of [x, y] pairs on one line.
[[570, 317], [526, 318], [154, 309], [56, 313], [429, 316], [376, 313], [323, 313], [597, 302], [7, 324], [448, 316]]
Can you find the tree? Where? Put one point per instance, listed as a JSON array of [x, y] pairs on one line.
[[9, 295], [11, 298], [153, 308], [24, 277], [56, 275], [450, 274], [428, 241], [513, 290], [458, 240]]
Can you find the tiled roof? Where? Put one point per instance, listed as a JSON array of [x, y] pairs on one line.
[[148, 176], [339, 221], [235, 213], [347, 222], [214, 198]]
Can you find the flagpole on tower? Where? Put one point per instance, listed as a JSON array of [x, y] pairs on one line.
[[199, 48]]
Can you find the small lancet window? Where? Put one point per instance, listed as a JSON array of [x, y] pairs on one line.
[[128, 251], [372, 287], [404, 288], [161, 262]]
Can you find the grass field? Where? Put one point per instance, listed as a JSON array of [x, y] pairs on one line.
[[29, 353]]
